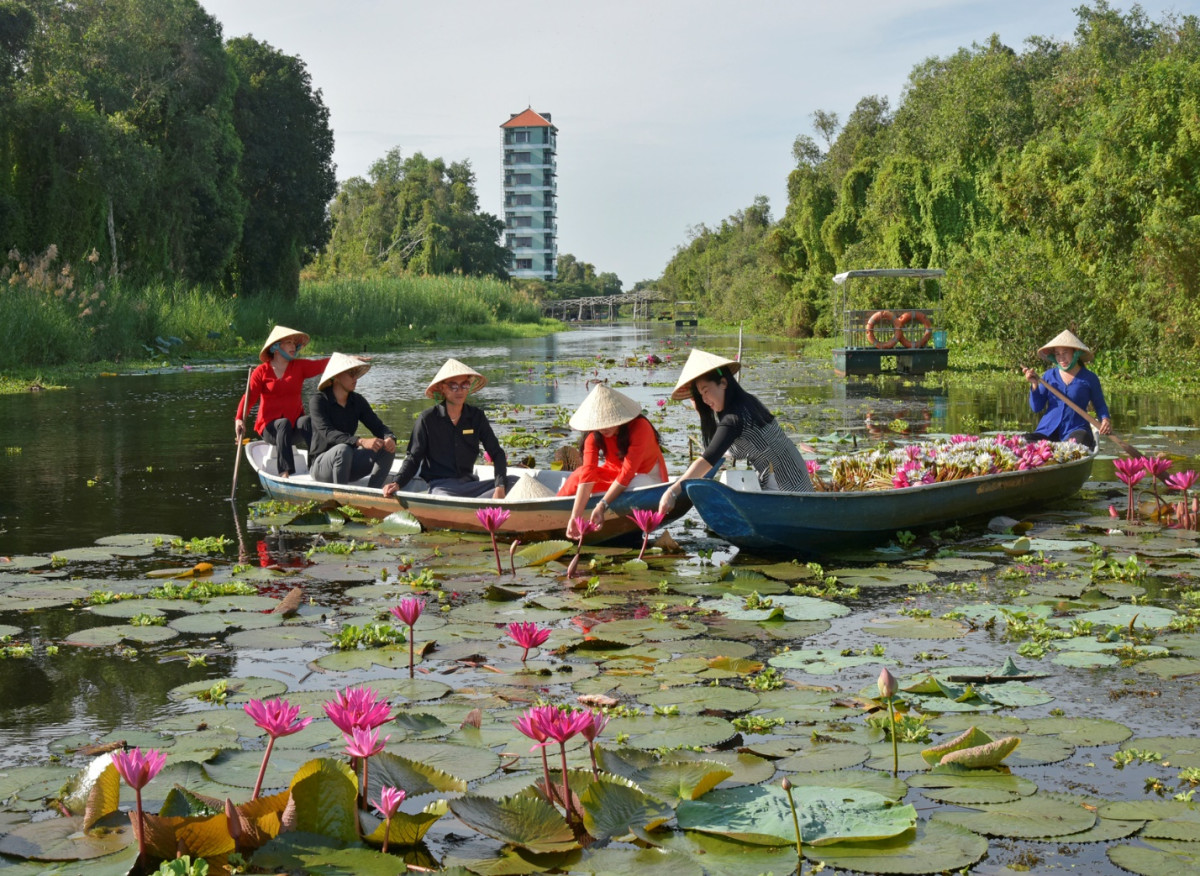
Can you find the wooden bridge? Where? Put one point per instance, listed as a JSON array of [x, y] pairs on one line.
[[607, 307]]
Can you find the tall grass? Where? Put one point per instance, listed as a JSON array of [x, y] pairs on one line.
[[41, 326]]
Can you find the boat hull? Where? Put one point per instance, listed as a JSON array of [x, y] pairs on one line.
[[531, 519], [810, 523]]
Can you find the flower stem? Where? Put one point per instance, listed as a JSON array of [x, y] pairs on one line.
[[410, 651], [387, 829], [496, 551], [562, 747], [141, 829], [895, 742], [262, 770], [595, 767], [645, 539], [796, 824], [546, 774]]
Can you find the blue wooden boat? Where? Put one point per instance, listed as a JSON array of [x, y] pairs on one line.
[[532, 519], [735, 509]]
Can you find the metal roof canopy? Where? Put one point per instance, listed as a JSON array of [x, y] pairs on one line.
[[913, 273]]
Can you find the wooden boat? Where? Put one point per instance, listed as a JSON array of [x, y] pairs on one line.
[[532, 519], [738, 511]]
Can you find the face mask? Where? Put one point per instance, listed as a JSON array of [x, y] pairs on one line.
[[276, 348]]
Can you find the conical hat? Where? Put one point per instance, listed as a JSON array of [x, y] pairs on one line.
[[528, 487], [604, 408], [340, 363], [698, 364], [1066, 339], [281, 333], [453, 368]]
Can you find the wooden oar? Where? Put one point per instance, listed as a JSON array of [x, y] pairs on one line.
[[1125, 446], [237, 442]]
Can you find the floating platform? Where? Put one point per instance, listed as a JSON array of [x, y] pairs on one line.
[[901, 360]]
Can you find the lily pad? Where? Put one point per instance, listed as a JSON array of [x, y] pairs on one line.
[[1040, 816], [1158, 857], [524, 820], [651, 732], [1180, 751], [933, 847], [918, 628], [962, 786], [763, 815]]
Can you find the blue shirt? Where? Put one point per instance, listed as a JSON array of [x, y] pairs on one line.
[[1059, 421]]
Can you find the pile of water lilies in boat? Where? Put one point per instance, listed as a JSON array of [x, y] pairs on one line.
[[962, 456]]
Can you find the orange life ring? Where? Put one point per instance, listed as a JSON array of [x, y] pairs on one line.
[[913, 316], [877, 317]]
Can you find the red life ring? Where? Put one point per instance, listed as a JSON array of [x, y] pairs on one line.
[[877, 317], [913, 316]]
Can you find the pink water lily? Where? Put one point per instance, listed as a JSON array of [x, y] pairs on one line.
[[278, 718], [533, 724], [1130, 471], [590, 732], [1184, 481], [357, 707], [137, 768], [528, 635], [584, 526], [362, 743], [647, 520], [561, 726], [407, 612], [492, 519], [388, 804]]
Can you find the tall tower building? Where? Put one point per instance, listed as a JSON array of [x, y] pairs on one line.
[[530, 189]]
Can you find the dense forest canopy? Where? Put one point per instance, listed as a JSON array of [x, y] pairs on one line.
[[130, 131], [1058, 186]]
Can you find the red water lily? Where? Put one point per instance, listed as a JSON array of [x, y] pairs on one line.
[[388, 804], [584, 526], [357, 707], [1130, 471], [1184, 481]]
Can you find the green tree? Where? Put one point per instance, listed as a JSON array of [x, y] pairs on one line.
[[286, 175]]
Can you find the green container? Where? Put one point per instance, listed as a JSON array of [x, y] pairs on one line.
[[939, 340]]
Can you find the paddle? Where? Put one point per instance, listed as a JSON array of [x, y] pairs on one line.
[[1125, 446], [237, 441]]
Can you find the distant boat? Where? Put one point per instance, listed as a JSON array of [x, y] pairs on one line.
[[532, 519], [738, 511]]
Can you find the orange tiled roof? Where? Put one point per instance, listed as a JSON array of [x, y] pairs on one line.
[[527, 119]]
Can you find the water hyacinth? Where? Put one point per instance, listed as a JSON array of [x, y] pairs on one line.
[[528, 635], [407, 612], [647, 521], [137, 768], [277, 718], [492, 519], [388, 804], [963, 456]]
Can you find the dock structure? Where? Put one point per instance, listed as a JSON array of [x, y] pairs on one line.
[[605, 308], [905, 340]]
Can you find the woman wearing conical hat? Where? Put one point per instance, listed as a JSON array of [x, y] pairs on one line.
[[275, 386], [619, 446], [734, 421], [1068, 373], [338, 455], [447, 438]]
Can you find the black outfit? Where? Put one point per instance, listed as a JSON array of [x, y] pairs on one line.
[[333, 456], [284, 436], [444, 453]]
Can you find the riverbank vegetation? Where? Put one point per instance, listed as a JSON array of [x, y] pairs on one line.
[[1056, 185]]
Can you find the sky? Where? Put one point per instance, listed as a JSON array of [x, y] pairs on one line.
[[670, 113]]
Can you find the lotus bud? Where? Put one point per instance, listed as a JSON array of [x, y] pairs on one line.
[[887, 685], [785, 784]]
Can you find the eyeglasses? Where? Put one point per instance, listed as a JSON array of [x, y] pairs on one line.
[[457, 387]]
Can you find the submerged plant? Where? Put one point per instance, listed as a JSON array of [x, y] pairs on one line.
[[407, 612], [492, 519], [278, 718]]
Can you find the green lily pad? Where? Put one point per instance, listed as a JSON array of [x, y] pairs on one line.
[[115, 634], [399, 523], [1080, 731], [1158, 858], [1180, 751], [918, 628], [963, 786], [1170, 667], [820, 756], [1041, 816], [933, 847], [542, 552], [882, 576], [819, 661], [783, 607], [612, 810], [652, 731], [276, 637], [243, 688], [763, 815], [64, 839], [13, 564], [1146, 617], [693, 700], [524, 820], [636, 862], [681, 780]]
